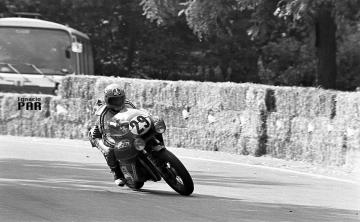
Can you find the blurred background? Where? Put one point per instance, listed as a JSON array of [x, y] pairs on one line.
[[285, 43]]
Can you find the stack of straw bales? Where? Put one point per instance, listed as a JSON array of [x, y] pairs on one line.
[[303, 126], [235, 107], [23, 122], [61, 118], [71, 118], [347, 121], [78, 87], [308, 124]]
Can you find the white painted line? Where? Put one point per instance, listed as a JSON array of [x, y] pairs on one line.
[[271, 168], [225, 162], [45, 143]]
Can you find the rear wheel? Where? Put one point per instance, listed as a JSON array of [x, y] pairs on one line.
[[134, 185], [175, 174]]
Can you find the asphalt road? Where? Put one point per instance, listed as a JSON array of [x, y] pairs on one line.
[[63, 180]]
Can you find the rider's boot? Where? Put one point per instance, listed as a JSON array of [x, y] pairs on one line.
[[118, 176], [114, 167]]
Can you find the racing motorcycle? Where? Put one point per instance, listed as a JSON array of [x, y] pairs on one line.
[[140, 150]]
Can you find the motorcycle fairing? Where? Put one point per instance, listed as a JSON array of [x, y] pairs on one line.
[[129, 172], [138, 120], [124, 150], [132, 171], [127, 114]]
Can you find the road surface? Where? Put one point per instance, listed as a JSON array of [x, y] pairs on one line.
[[64, 180]]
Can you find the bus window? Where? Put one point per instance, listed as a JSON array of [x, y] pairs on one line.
[[35, 51], [42, 52]]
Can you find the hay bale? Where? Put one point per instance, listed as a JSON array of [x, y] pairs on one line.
[[182, 137], [232, 131], [22, 122], [233, 96], [255, 98], [279, 133], [169, 99], [316, 141], [225, 134], [2, 104], [297, 148], [77, 86], [246, 131], [313, 102], [350, 135], [305, 102], [347, 120], [322, 146], [71, 117], [215, 96], [285, 101], [314, 125], [348, 105], [75, 110], [143, 93]]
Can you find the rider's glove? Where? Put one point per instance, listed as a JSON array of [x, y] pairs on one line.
[[95, 132]]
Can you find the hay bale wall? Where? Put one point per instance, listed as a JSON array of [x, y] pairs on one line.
[[232, 105], [306, 124]]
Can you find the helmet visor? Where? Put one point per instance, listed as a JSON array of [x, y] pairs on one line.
[[116, 101]]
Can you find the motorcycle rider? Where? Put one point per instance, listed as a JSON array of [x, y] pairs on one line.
[[115, 101]]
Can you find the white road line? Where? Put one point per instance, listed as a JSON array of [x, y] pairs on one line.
[[226, 162], [272, 168], [44, 143]]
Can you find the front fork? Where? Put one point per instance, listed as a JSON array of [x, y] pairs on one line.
[[159, 164], [151, 165], [155, 144]]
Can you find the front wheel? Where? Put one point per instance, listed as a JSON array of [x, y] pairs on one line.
[[175, 174]]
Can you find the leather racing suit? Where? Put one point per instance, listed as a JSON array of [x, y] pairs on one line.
[[106, 146]]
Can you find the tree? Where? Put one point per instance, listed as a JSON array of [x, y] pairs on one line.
[[280, 42], [222, 29], [321, 17]]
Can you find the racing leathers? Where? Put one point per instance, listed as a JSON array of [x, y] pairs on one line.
[[106, 146]]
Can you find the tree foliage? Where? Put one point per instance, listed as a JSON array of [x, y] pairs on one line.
[[266, 41], [307, 22]]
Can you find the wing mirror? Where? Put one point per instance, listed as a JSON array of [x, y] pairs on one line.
[[77, 47]]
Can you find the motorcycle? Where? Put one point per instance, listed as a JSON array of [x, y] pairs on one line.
[[140, 150]]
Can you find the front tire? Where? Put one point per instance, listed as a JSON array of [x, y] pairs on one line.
[[175, 174]]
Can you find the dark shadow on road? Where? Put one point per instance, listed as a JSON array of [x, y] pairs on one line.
[[159, 192], [66, 191]]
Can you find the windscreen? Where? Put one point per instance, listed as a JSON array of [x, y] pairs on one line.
[[34, 51]]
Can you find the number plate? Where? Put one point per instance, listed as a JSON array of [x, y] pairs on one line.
[[140, 125]]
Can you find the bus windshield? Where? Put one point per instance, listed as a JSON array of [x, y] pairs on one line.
[[34, 51]]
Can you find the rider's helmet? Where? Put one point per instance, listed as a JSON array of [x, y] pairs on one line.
[[114, 97]]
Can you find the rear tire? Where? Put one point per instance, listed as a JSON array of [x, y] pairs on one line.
[[134, 185], [175, 174]]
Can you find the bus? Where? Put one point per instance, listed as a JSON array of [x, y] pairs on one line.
[[35, 54]]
